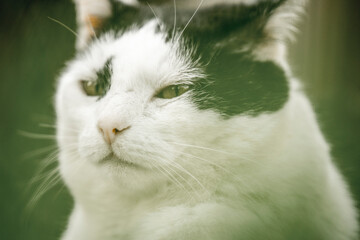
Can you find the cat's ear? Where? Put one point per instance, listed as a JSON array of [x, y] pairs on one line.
[[97, 16], [90, 16], [278, 28], [260, 27], [282, 19]]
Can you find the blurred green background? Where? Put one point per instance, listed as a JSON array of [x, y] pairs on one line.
[[34, 49]]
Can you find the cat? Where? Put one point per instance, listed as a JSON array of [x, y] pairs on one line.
[[182, 120]]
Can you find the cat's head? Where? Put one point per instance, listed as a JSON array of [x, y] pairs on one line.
[[151, 104]]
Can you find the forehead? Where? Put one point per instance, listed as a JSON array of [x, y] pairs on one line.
[[139, 55], [233, 82]]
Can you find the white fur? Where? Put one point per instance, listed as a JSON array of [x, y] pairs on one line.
[[201, 177]]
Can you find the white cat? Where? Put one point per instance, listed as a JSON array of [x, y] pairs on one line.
[[194, 132]]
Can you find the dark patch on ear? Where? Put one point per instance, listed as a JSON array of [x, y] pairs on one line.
[[125, 16], [240, 85]]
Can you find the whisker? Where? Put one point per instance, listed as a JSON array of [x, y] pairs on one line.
[[39, 151], [60, 190], [216, 150], [173, 179], [44, 125], [197, 9], [65, 26], [46, 162], [218, 166], [41, 176], [181, 168], [201, 147], [157, 19], [36, 135], [51, 179], [205, 160], [187, 183], [173, 33], [42, 136]]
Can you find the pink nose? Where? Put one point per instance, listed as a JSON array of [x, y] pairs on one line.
[[111, 130]]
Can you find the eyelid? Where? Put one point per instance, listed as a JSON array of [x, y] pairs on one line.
[[177, 89]]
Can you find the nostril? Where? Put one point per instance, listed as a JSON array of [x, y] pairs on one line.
[[116, 130]]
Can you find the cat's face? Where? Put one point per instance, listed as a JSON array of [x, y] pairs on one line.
[[141, 105], [134, 98]]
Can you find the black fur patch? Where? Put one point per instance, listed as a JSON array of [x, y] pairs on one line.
[[153, 1], [238, 85], [103, 80], [245, 23], [124, 17]]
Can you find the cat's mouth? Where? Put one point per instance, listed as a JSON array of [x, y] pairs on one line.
[[113, 159]]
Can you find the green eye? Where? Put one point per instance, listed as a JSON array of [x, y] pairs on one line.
[[92, 88], [173, 91], [102, 83]]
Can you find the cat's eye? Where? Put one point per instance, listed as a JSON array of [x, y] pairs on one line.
[[173, 91], [102, 84], [92, 88]]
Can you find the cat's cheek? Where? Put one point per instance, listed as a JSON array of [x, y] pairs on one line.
[[183, 122]]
